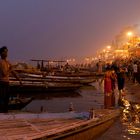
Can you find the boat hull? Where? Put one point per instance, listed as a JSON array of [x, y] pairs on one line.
[[43, 89], [88, 131], [51, 126]]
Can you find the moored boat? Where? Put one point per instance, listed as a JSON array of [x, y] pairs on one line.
[[50, 126], [41, 86], [52, 78]]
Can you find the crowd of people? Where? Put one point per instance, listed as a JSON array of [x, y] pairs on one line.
[[115, 77]]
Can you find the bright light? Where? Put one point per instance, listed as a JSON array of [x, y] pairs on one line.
[[109, 47], [129, 33]]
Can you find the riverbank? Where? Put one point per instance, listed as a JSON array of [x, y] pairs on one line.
[[127, 130]]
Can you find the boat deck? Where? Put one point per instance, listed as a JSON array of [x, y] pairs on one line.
[[35, 126]]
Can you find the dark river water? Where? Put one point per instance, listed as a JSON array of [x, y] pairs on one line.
[[82, 100]]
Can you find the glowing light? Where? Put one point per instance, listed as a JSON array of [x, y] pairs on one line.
[[108, 47], [129, 33]]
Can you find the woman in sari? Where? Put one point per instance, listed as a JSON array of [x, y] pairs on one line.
[[107, 89]]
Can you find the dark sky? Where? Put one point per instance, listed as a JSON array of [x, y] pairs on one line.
[[58, 29]]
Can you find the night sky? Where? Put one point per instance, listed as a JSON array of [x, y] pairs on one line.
[[61, 29]]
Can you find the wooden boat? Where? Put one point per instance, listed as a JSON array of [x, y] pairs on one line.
[[70, 79], [60, 79], [53, 126], [80, 74], [16, 103], [30, 85]]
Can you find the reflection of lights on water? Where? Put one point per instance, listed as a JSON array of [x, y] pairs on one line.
[[136, 107], [126, 110], [133, 130], [126, 103], [137, 120], [126, 137], [131, 118]]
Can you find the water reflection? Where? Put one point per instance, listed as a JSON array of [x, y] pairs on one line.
[[82, 100], [131, 118]]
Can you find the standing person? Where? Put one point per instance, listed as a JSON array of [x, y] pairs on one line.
[[135, 71], [130, 70], [138, 72], [5, 70], [121, 83], [113, 83], [100, 67], [107, 89]]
